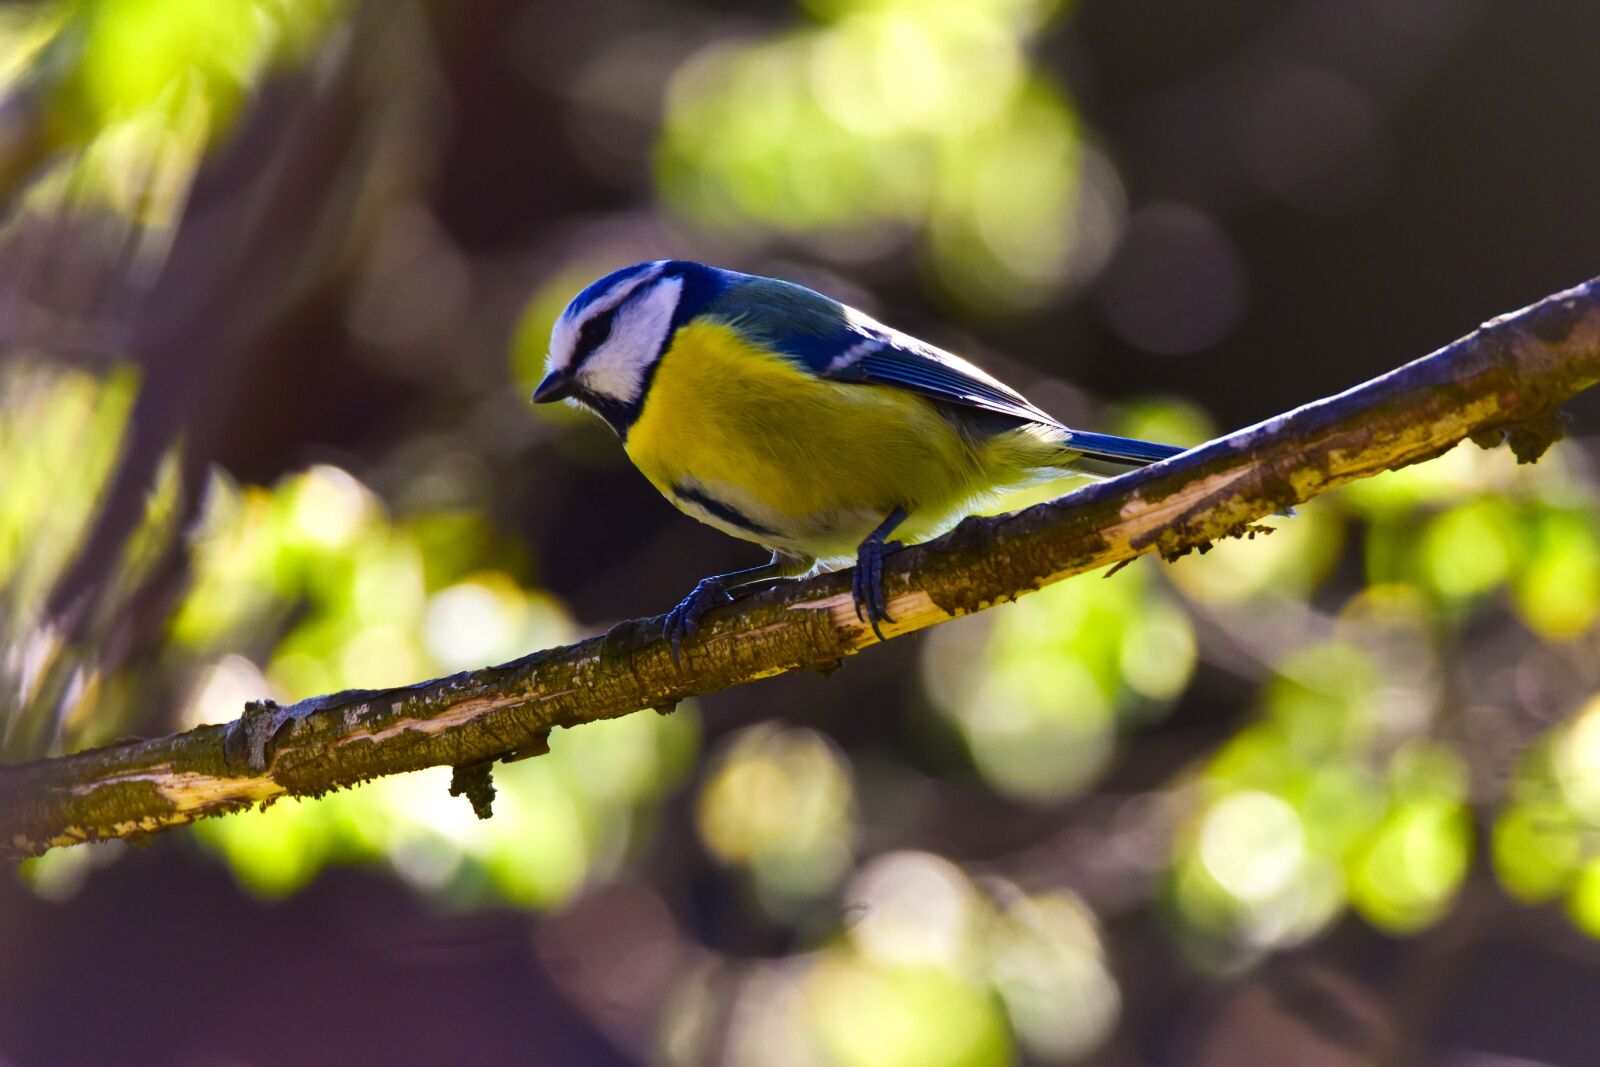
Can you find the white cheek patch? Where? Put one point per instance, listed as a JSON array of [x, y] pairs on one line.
[[564, 337], [617, 369], [562, 340]]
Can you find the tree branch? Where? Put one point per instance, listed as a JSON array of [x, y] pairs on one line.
[[1502, 382]]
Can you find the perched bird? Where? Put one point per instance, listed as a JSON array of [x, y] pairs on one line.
[[783, 417]]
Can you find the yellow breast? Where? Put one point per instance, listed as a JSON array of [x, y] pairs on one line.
[[797, 463]]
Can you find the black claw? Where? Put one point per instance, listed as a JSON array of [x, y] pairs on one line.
[[883, 601], [684, 619], [876, 631], [866, 585]]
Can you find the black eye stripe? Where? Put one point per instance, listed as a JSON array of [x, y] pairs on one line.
[[592, 335]]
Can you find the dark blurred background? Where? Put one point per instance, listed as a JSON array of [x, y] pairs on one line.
[[276, 278]]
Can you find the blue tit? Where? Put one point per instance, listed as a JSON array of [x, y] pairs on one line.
[[783, 417]]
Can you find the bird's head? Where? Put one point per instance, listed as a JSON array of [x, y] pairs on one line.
[[607, 342]]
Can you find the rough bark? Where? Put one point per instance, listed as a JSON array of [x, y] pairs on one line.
[[1504, 381]]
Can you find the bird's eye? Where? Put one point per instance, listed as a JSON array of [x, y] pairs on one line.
[[593, 334]]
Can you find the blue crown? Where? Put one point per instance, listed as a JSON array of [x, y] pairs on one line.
[[701, 285]]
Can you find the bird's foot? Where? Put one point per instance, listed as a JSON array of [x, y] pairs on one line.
[[683, 620], [866, 583]]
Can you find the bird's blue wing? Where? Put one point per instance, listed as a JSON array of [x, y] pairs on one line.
[[837, 343], [842, 345], [898, 360], [795, 322]]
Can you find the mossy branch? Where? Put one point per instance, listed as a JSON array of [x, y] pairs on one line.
[[1505, 382]]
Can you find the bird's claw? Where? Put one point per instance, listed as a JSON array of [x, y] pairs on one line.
[[684, 619], [866, 584]]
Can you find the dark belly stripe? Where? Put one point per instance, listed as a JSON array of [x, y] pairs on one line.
[[713, 506]]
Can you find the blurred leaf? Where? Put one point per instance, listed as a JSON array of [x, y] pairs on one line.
[[1288, 563], [60, 434], [156, 55], [1537, 850], [876, 1016], [888, 119], [276, 851], [1049, 968], [1407, 872], [1323, 699], [1251, 878], [1584, 903], [780, 803], [1469, 549], [1037, 688], [1559, 592], [559, 821]]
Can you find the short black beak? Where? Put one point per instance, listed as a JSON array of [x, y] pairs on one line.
[[557, 385]]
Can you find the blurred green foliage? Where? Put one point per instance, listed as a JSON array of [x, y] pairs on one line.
[[131, 93], [1364, 633], [560, 821], [887, 120], [779, 804], [1039, 689], [937, 970], [360, 601], [1546, 843], [60, 431], [346, 597], [144, 55]]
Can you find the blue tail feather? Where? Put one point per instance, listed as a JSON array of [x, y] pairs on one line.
[[1123, 450]]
